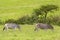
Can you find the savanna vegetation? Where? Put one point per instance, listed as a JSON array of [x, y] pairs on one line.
[[27, 13]]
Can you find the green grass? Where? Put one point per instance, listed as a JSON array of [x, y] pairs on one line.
[[14, 9], [27, 33]]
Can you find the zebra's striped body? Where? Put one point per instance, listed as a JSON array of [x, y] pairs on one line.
[[11, 26], [43, 26]]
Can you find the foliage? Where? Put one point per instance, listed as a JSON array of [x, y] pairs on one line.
[[43, 10], [54, 19], [11, 21], [39, 15], [27, 20]]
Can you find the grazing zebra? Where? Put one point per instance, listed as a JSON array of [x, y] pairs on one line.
[[11, 26], [43, 26]]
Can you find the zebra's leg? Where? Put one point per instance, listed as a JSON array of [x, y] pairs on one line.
[[3, 28], [14, 28], [36, 29], [6, 28], [19, 28]]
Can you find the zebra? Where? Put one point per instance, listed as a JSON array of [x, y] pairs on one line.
[[43, 26], [11, 26]]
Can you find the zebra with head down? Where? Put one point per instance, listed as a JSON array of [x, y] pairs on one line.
[[11, 26], [43, 26]]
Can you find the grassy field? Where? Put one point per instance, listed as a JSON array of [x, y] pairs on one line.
[[27, 33], [14, 9]]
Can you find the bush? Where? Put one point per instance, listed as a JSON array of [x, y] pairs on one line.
[[43, 11], [53, 19], [11, 21], [27, 20], [39, 15], [24, 20]]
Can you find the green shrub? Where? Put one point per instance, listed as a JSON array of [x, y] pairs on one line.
[[10, 21]]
